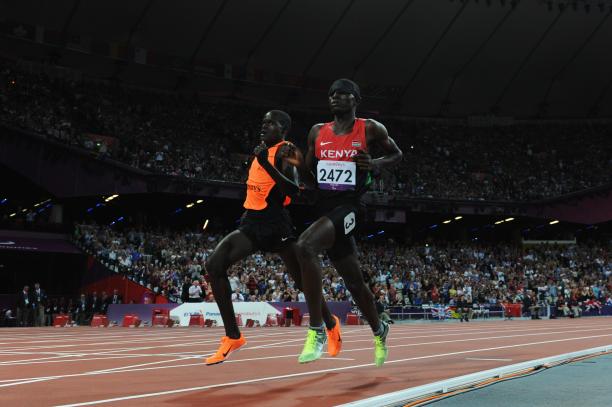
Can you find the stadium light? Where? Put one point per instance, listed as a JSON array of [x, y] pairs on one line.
[[499, 221], [553, 222], [199, 201], [509, 219], [458, 217], [189, 205], [12, 214], [447, 221], [205, 224]]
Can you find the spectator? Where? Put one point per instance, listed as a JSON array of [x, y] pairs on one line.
[[237, 296], [105, 301], [195, 292], [39, 302], [81, 312], [95, 304], [24, 306], [464, 309], [185, 289], [116, 298]]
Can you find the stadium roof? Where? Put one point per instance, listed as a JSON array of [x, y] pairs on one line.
[[427, 58]]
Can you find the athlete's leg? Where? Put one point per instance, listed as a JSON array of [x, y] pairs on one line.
[[348, 268], [318, 237], [289, 256], [234, 247]]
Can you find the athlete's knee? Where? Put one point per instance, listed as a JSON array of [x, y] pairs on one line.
[[357, 287], [305, 248], [296, 276], [215, 266]]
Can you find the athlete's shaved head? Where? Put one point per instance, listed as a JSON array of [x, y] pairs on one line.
[[283, 118]]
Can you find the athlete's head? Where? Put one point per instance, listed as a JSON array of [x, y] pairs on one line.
[[344, 96], [274, 126]]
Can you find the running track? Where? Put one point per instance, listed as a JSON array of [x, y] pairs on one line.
[[158, 366]]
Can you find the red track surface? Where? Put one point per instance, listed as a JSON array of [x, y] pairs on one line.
[[58, 366]]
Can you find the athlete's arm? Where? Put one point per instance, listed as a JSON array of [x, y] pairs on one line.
[[377, 135], [307, 172], [291, 159], [287, 186]]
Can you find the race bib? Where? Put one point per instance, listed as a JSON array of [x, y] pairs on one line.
[[336, 175]]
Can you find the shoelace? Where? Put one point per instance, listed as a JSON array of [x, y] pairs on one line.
[[311, 339]]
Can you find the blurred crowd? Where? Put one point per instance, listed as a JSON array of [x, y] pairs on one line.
[[172, 263], [35, 307], [183, 136]]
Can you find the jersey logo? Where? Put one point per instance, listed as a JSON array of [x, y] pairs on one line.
[[338, 153], [324, 143], [349, 223], [356, 144]]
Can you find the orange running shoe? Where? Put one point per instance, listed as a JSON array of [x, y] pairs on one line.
[[334, 340], [228, 345]]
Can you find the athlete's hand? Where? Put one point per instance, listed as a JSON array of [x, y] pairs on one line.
[[261, 152], [292, 155], [364, 160]]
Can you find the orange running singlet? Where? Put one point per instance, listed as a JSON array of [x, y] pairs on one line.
[[260, 185]]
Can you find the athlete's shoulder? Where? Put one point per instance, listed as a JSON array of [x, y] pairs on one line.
[[317, 127], [314, 131], [373, 123], [375, 128]]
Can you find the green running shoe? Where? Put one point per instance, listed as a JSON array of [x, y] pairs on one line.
[[313, 348], [380, 346]]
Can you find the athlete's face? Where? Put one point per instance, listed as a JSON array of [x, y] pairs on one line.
[[341, 102], [271, 130]]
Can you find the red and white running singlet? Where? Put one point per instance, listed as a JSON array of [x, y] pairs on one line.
[[336, 170]]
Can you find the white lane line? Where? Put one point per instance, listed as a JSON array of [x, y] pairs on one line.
[[491, 359], [394, 333], [130, 369], [110, 351], [190, 333], [207, 338], [276, 345], [78, 333], [292, 375], [346, 334], [136, 367], [337, 358]]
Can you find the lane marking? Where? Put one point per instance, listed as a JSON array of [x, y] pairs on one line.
[[492, 359], [207, 352], [293, 375], [125, 369]]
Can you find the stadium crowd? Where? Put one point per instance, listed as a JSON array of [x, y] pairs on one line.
[[171, 263], [35, 307], [182, 136]]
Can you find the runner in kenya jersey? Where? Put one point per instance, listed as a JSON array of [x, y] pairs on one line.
[[338, 157]]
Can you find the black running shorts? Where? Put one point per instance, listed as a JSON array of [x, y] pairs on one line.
[[345, 218], [269, 231]]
